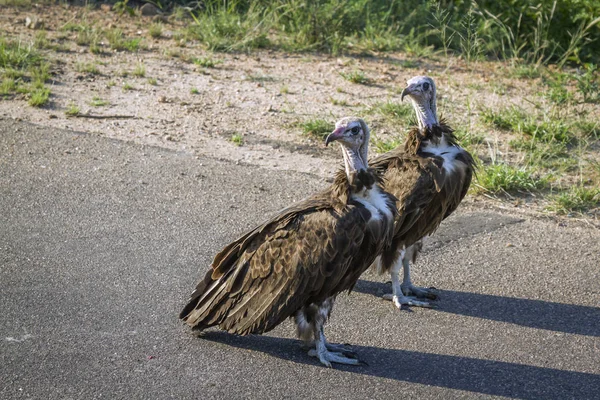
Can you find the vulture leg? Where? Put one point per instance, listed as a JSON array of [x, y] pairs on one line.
[[409, 289], [310, 321], [326, 356], [402, 291]]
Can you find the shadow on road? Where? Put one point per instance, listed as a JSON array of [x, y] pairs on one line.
[[462, 373], [538, 314]]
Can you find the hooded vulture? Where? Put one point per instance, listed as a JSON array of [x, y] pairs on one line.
[[297, 262], [429, 177]]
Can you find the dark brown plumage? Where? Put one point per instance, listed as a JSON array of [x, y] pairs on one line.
[[295, 263], [429, 176]]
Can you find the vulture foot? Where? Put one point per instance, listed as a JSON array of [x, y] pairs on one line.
[[419, 292], [402, 300], [340, 348], [327, 357]]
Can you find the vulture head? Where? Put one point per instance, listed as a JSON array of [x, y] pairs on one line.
[[421, 92], [353, 135]]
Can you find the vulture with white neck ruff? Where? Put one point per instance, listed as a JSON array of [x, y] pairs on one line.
[[429, 177], [297, 262]]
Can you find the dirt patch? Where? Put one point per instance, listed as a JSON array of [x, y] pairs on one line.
[[262, 97]]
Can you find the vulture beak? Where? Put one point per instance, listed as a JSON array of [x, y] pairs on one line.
[[337, 134], [410, 89]]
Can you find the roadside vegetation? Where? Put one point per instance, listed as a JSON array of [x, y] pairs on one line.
[[530, 31], [534, 127], [24, 71]]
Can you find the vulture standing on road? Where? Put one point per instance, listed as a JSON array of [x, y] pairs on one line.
[[297, 262], [429, 177]]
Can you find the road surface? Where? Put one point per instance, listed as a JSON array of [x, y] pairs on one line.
[[102, 241]]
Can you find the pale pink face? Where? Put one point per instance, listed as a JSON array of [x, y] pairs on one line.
[[349, 131]]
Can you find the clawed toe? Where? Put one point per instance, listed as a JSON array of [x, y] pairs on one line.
[[327, 357], [419, 292], [343, 348], [401, 302]]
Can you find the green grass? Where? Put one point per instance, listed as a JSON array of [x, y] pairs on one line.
[[119, 42], [504, 178], [399, 114], [587, 128], [526, 32], [524, 71], [83, 38], [237, 139], [41, 41], [16, 3], [12, 73], [547, 128], [576, 199], [39, 96], [557, 91], [128, 86], [409, 64], [99, 102], [155, 30], [194, 91], [88, 68], [72, 26], [588, 83], [338, 102], [152, 81], [468, 138], [40, 73], [72, 110], [221, 28], [7, 87], [555, 156], [18, 55], [87, 35], [21, 63], [317, 128], [139, 70], [206, 62], [356, 76], [382, 146]]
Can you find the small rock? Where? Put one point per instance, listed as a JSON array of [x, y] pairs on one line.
[[149, 10], [106, 7], [34, 23], [510, 245]]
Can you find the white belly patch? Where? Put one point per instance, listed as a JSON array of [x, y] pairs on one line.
[[447, 151], [375, 202]]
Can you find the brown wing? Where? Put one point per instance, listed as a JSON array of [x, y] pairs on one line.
[[303, 255], [416, 182]]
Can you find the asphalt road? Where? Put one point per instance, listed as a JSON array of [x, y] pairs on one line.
[[102, 241]]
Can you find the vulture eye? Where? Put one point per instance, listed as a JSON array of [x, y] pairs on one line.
[[426, 86], [354, 130]]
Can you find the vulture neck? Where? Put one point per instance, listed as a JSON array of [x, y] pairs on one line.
[[426, 113], [354, 160]]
